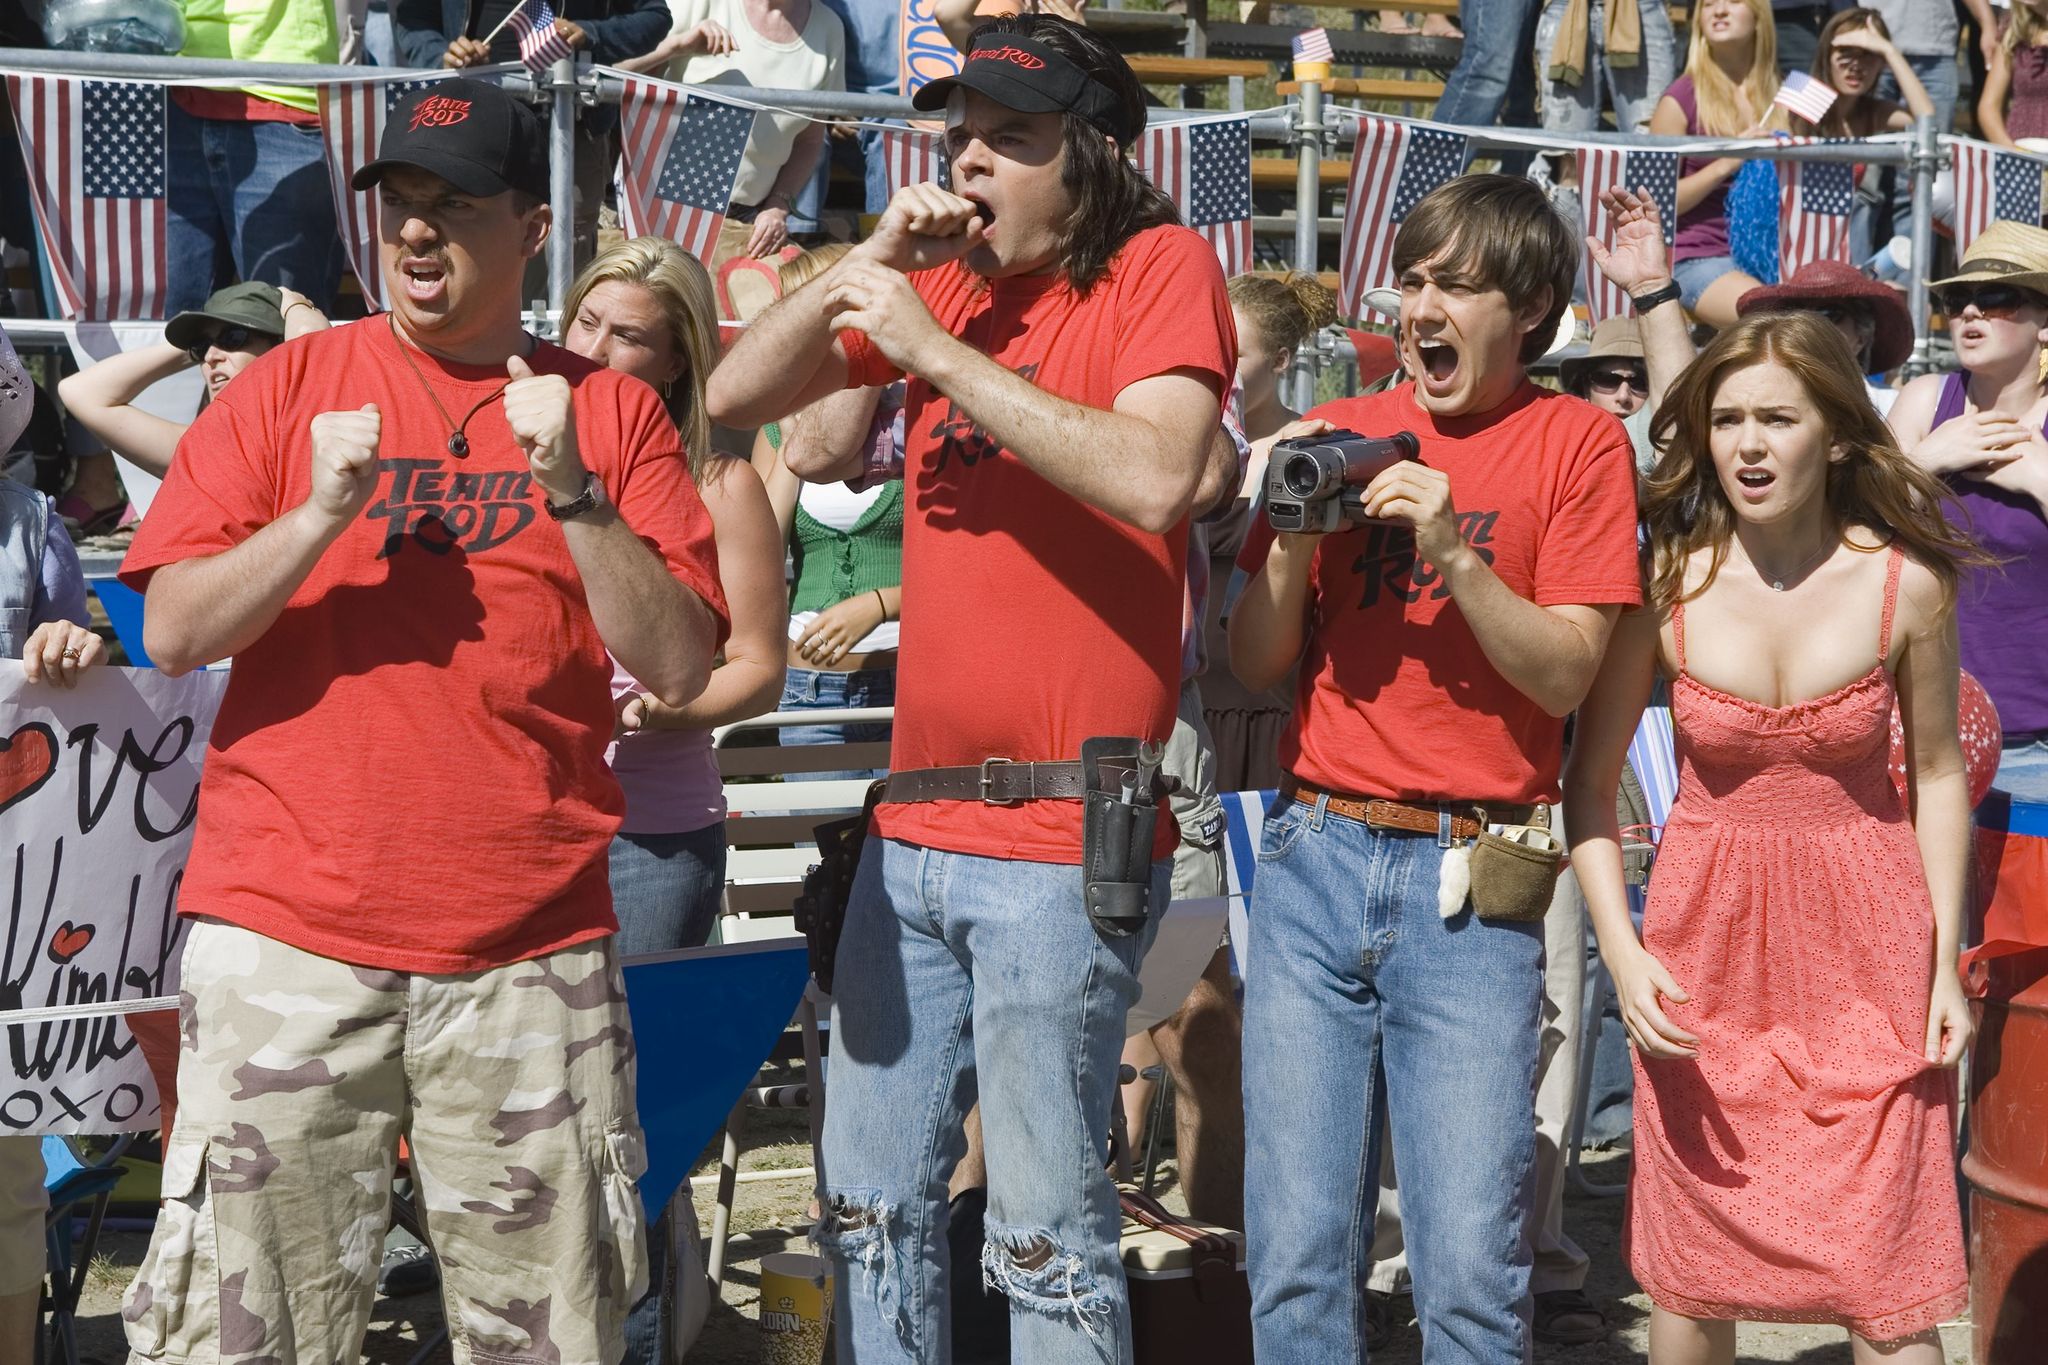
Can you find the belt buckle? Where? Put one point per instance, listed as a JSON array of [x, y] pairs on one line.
[[988, 782]]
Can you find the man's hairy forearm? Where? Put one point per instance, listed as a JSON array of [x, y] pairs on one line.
[[1546, 656], [659, 630], [202, 610], [775, 359]]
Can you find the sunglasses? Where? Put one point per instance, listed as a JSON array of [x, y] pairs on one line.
[[230, 338], [1608, 381], [2000, 301]]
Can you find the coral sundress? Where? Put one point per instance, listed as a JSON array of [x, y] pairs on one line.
[[1799, 1169]]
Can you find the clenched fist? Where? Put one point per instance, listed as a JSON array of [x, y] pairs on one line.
[[344, 461], [924, 226], [541, 411], [875, 300]]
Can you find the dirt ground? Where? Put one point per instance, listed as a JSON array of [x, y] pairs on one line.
[[769, 1215]]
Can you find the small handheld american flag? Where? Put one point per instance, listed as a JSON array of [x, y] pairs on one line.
[[1801, 94], [540, 46], [1313, 45]]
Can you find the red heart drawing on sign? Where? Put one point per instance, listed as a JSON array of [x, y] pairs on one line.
[[68, 942], [28, 759]]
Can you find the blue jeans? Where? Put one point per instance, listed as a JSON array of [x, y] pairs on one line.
[[1632, 90], [2023, 772], [1365, 1010], [872, 60], [1696, 274], [666, 888], [1494, 80], [960, 976], [247, 201], [806, 690]]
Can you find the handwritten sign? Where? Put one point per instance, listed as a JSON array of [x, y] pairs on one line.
[[99, 786], [927, 53]]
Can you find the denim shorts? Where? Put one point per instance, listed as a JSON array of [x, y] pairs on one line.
[[1694, 276]]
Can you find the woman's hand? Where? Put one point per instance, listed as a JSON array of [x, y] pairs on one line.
[[1971, 442], [1865, 40], [1949, 1026], [1641, 985], [301, 315], [59, 652], [840, 627], [707, 39]]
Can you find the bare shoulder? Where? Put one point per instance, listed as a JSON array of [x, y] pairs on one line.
[[1913, 414], [1923, 598]]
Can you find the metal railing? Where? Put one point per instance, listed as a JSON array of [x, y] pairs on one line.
[[1304, 123]]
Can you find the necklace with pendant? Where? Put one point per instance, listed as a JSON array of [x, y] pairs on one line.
[[1778, 583], [458, 438]]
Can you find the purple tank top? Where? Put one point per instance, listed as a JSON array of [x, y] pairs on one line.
[[2027, 116], [2002, 612]]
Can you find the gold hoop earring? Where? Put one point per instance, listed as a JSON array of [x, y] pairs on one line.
[[666, 386]]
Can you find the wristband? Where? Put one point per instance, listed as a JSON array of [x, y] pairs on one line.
[[1656, 298]]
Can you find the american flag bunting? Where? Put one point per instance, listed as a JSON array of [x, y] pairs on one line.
[[680, 156], [352, 115], [540, 47], [915, 156], [1607, 168], [1991, 184], [96, 168], [1394, 163], [1814, 201], [1205, 167]]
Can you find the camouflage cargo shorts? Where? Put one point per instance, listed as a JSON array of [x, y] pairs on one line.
[[298, 1075]]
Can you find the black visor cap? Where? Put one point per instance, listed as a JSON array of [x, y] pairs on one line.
[[1023, 74]]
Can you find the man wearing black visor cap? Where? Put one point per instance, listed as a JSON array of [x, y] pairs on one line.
[[1067, 345]]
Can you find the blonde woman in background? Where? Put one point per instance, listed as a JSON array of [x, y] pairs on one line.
[[644, 307], [1731, 76]]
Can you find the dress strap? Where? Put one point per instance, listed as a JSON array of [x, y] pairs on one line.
[[1678, 629], [1891, 602]]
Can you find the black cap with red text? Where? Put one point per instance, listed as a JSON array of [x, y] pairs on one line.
[[1026, 75], [470, 133]]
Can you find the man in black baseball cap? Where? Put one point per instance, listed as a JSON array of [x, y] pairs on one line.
[[433, 531]]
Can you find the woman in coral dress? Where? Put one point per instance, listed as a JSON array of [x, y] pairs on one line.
[[1793, 1002]]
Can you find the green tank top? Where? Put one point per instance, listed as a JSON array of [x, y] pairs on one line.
[[832, 565]]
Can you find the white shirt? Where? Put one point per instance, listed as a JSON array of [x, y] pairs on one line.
[[815, 61]]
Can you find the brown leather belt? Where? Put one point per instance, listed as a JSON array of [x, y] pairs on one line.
[[1000, 782], [1383, 814]]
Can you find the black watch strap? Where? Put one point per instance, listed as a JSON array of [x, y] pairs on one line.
[[1656, 298], [583, 502]]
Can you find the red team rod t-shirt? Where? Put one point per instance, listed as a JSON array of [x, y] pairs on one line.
[[1032, 621], [1402, 703], [407, 771]]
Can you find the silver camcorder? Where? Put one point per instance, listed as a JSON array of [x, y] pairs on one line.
[[1317, 483]]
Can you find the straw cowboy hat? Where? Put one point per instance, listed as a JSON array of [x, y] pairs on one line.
[[1819, 282], [1616, 338], [2012, 253]]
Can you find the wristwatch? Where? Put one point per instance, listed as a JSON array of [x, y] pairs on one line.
[[1656, 298], [588, 500]]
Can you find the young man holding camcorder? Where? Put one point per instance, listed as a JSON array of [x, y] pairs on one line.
[[1447, 613]]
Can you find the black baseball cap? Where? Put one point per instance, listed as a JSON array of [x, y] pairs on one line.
[[470, 133], [1026, 75]]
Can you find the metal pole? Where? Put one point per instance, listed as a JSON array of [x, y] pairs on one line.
[[562, 181], [1926, 161], [1308, 186]]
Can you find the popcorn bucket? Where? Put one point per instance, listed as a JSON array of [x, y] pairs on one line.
[[796, 1308]]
